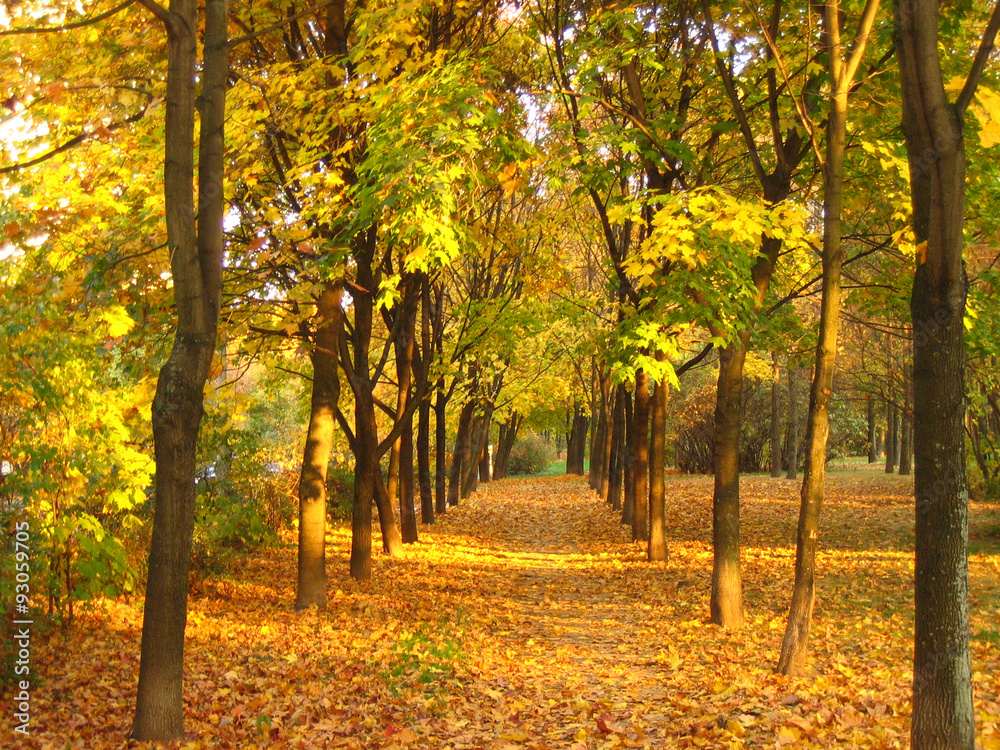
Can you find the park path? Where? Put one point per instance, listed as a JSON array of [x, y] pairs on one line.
[[527, 619]]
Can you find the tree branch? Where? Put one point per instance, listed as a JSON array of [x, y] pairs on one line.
[[69, 26], [979, 61]]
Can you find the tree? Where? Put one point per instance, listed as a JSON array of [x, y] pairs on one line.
[[842, 73], [933, 127], [195, 236]]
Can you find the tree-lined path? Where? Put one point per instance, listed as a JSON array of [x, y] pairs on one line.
[[527, 619]]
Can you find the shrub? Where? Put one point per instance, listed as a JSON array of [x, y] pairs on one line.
[[531, 454]]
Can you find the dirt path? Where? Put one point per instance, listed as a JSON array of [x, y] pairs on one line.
[[527, 619]]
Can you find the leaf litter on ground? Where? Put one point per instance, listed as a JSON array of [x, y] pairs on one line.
[[526, 618]]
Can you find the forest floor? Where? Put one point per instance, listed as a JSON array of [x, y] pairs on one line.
[[527, 619]]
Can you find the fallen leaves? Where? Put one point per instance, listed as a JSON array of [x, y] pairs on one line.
[[526, 619]]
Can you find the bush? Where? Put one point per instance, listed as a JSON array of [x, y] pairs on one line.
[[531, 454]]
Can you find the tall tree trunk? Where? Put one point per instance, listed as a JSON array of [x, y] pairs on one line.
[[616, 462], [505, 443], [316, 458], [891, 434], [628, 460], [905, 425], [607, 446], [392, 540], [424, 462], [656, 551], [403, 447], [775, 416], [640, 516], [727, 579], [196, 265], [942, 682], [576, 444], [477, 441], [424, 410], [872, 432], [792, 438], [441, 449], [795, 644], [460, 457]]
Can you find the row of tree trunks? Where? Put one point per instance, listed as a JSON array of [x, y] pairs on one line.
[[792, 431], [505, 443], [616, 457], [776, 455], [576, 442], [628, 461], [463, 449]]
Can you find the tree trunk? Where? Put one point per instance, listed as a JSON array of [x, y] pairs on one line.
[[599, 455], [628, 460], [640, 516], [775, 417], [657, 549], [505, 443], [424, 410], [576, 444], [942, 683], [905, 424], [441, 449], [460, 457], [872, 433], [616, 462], [891, 434], [316, 458], [477, 444], [795, 644], [424, 462], [403, 447], [392, 540], [196, 266], [727, 580], [607, 446]]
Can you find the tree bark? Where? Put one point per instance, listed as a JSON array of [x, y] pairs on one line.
[[727, 580], [775, 416], [942, 682], [628, 460], [905, 425], [196, 254], [891, 434], [441, 449], [311, 589], [872, 432], [656, 551], [424, 410], [460, 457], [640, 515], [403, 448], [505, 443], [792, 440], [424, 462], [795, 644], [616, 459]]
